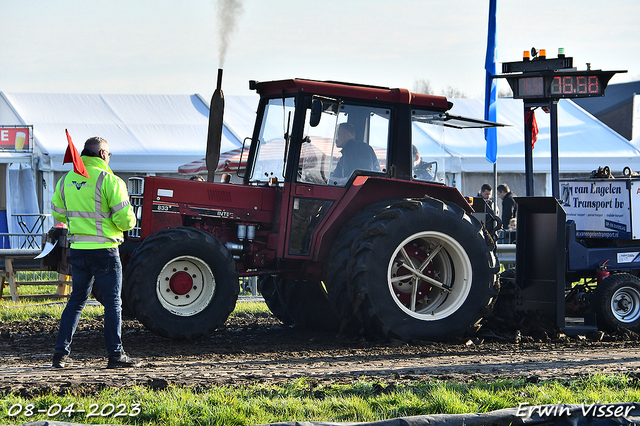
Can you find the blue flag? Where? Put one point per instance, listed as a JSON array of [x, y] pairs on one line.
[[490, 89]]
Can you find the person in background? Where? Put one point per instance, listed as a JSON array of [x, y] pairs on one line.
[[485, 192], [513, 224], [509, 206], [96, 210]]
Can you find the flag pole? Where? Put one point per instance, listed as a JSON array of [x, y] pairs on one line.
[[491, 90], [491, 96]]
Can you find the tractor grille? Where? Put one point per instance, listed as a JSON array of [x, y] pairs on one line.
[[136, 195], [136, 186]]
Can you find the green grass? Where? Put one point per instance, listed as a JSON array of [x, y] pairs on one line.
[[302, 400], [253, 308], [43, 307], [25, 309]]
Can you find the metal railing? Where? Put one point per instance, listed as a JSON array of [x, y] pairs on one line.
[[21, 240], [506, 253]]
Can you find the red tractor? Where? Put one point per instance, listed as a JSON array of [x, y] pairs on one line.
[[384, 247]]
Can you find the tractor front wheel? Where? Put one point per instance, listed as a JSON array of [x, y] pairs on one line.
[[182, 283]]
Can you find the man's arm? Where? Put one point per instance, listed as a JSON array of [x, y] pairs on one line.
[[58, 210], [121, 211]]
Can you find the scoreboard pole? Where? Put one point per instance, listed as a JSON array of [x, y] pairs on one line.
[[528, 151], [555, 167], [550, 105]]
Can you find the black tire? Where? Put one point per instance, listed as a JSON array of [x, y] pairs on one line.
[[303, 305], [449, 247], [337, 281], [126, 311], [269, 291], [182, 283], [617, 302]]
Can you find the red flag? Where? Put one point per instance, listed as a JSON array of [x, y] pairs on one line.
[[531, 119], [72, 156]]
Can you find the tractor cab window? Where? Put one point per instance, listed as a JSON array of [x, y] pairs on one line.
[[273, 140], [427, 149], [347, 138]]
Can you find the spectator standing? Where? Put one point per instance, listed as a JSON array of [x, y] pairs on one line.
[[485, 192], [95, 206], [509, 206]]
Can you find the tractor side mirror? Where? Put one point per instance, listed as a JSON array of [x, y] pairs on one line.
[[316, 113]]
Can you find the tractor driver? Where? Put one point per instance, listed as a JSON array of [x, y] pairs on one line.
[[355, 155]]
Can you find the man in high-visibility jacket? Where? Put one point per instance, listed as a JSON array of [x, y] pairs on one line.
[[97, 211]]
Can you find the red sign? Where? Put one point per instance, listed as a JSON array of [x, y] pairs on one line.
[[14, 138]]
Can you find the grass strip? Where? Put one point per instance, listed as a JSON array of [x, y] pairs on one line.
[[304, 400], [28, 310]]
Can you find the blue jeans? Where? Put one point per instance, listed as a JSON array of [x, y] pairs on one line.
[[106, 273]]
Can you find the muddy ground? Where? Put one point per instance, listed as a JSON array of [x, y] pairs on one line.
[[258, 349]]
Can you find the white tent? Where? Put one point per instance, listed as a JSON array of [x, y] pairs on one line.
[[584, 142], [146, 133]]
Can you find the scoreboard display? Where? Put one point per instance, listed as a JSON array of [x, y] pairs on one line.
[[545, 78], [560, 85]]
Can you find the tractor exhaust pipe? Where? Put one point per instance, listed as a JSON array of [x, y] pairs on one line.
[[214, 135]]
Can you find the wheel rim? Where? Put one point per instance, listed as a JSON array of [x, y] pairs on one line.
[[625, 304], [185, 286], [420, 264]]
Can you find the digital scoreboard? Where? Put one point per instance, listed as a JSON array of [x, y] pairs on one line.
[[540, 82], [553, 78], [560, 85]]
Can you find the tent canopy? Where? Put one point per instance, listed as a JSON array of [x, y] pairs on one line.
[[146, 133], [584, 142], [169, 131]]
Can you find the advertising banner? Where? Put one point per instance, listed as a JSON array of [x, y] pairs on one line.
[[635, 208], [600, 208], [15, 138]]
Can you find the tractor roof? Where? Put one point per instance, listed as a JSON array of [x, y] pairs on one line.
[[349, 90]]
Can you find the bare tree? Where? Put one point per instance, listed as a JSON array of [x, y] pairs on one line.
[[422, 86], [452, 92]]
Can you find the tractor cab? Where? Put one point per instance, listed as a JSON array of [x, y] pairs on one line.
[[334, 148], [296, 138]]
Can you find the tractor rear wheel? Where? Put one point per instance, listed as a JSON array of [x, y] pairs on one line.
[[617, 302], [182, 283], [424, 270], [303, 305], [340, 298]]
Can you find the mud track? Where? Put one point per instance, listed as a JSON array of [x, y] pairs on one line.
[[258, 349]]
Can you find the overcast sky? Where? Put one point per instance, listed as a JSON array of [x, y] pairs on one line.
[[174, 47]]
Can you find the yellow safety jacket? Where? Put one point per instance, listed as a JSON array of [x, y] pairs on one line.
[[96, 210]]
